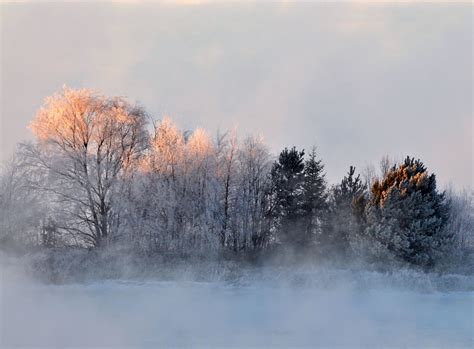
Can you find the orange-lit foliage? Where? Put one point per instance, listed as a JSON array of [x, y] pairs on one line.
[[407, 178], [84, 121], [167, 148], [199, 144], [86, 141]]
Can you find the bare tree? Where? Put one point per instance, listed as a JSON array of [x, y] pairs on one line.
[[370, 175], [253, 175], [86, 142], [21, 209], [461, 222], [386, 163], [227, 146]]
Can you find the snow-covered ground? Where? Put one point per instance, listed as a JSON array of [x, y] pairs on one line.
[[314, 309]]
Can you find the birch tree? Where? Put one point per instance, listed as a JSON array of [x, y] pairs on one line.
[[21, 209], [86, 143]]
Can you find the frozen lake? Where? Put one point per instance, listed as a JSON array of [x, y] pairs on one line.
[[325, 312]]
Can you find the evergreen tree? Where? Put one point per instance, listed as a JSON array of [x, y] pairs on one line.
[[406, 215], [345, 218], [287, 176], [314, 197]]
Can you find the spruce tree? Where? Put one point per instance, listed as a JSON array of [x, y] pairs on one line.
[[286, 194], [345, 218], [314, 198], [406, 215]]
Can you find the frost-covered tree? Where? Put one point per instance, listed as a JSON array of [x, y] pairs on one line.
[[313, 199], [203, 189], [176, 194], [96, 174], [345, 218], [85, 143], [461, 217], [226, 153], [248, 218], [192, 193], [286, 210], [407, 216], [160, 189], [167, 147], [22, 210]]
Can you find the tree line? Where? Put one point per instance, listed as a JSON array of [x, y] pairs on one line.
[[102, 172]]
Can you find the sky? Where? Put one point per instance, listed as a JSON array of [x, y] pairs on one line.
[[358, 80]]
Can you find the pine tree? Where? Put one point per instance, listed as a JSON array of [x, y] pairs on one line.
[[407, 216], [286, 194]]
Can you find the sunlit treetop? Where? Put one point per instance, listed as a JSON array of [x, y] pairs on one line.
[[86, 120]]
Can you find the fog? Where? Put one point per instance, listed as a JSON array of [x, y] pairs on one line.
[[123, 227], [268, 307]]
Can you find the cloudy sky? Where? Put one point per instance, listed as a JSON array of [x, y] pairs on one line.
[[357, 80]]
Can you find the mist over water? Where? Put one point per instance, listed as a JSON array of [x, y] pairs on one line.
[[205, 176], [267, 307]]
